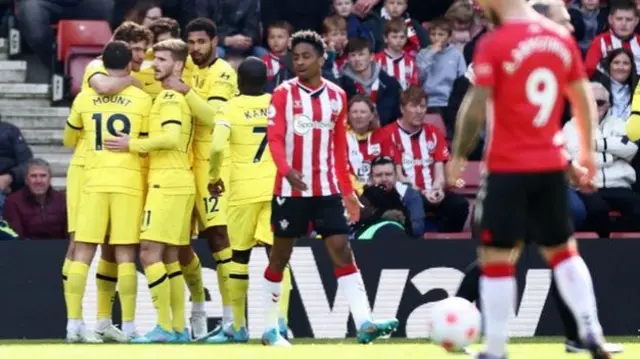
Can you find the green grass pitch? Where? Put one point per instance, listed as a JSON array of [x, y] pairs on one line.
[[537, 348]]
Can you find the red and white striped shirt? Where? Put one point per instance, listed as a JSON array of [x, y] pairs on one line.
[[417, 152], [273, 65], [403, 68], [308, 133], [373, 93], [362, 149], [607, 42]]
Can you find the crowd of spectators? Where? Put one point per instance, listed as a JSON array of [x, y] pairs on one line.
[[400, 62]]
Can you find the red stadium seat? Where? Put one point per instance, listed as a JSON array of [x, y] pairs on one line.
[[618, 235], [586, 235], [471, 177], [436, 120], [78, 42], [456, 235]]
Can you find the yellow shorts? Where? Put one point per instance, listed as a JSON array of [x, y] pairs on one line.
[[103, 214], [167, 218], [75, 176], [209, 211], [250, 225]]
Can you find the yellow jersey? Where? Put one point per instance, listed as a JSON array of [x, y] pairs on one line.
[[147, 74], [101, 117], [170, 170], [252, 170], [218, 81]]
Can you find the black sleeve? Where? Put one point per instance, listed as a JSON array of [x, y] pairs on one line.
[[458, 91], [22, 154], [251, 26], [578, 24], [388, 103]]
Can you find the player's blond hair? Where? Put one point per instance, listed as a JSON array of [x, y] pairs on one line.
[[178, 48]]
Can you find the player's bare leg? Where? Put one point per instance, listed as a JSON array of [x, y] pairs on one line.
[[218, 241], [106, 281], [350, 280], [152, 259], [128, 286], [76, 284], [192, 273], [177, 298], [498, 296], [576, 288]]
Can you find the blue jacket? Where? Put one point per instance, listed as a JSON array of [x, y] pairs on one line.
[[437, 72], [14, 154]]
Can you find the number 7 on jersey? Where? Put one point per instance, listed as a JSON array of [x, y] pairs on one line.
[[260, 130]]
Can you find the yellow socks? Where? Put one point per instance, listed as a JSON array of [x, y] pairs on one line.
[[238, 287], [128, 290], [160, 293], [223, 258], [192, 273], [177, 300], [285, 294], [76, 283], [106, 280]]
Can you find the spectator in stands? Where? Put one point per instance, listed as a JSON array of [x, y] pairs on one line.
[[37, 211], [615, 176], [302, 15], [439, 65], [14, 155], [459, 90], [623, 19], [278, 35], [238, 24], [385, 198], [416, 36], [145, 12], [365, 25], [364, 139], [362, 75], [420, 151], [470, 47], [394, 59], [35, 16], [461, 15], [334, 33], [620, 78], [588, 20]]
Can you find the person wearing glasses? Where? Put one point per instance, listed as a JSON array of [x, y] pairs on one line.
[[615, 175]]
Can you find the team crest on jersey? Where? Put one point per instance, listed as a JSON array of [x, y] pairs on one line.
[[271, 112], [431, 145], [374, 150], [335, 106]]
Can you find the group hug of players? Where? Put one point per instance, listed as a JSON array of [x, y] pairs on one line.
[[142, 128], [165, 149]]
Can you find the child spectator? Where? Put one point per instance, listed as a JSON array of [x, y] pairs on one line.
[[623, 20], [362, 75], [439, 65], [461, 15], [416, 35], [588, 20], [368, 27], [394, 60], [334, 32], [278, 35]]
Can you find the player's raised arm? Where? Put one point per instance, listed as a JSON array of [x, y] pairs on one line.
[[110, 85], [220, 143], [73, 128], [277, 127]]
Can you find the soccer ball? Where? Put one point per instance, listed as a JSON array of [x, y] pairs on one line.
[[454, 324]]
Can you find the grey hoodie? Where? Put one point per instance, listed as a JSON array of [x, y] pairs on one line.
[[437, 71], [366, 84]]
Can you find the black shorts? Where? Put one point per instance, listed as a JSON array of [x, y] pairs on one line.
[[532, 207], [291, 216]]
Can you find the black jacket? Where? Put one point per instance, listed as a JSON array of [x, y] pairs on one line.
[[14, 154], [232, 17]]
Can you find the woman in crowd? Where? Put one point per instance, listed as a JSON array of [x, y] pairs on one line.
[[364, 138], [619, 77]]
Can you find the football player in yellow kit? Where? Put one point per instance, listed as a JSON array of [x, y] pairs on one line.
[[242, 124], [166, 222], [214, 82], [111, 200], [97, 78]]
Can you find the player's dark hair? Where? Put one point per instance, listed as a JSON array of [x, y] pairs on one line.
[[442, 24], [178, 48], [413, 95], [131, 32], [280, 25], [309, 37], [394, 26], [165, 25], [116, 55], [252, 76], [202, 24], [359, 44]]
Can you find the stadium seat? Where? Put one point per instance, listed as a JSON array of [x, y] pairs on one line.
[[586, 235], [471, 177], [618, 235], [78, 42], [456, 235], [436, 120]]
